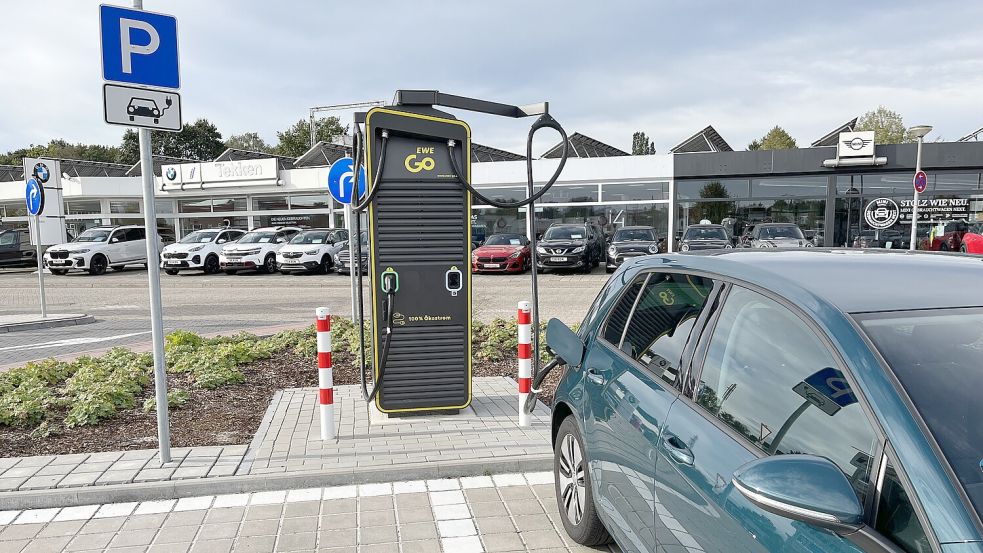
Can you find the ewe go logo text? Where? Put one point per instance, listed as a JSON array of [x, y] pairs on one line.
[[414, 165]]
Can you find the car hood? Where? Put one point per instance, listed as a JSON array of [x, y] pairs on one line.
[[706, 242], [562, 243], [246, 247], [170, 248], [633, 245], [784, 242], [75, 246], [301, 247], [498, 250]]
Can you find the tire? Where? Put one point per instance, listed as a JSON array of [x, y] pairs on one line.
[[964, 249], [171, 272], [943, 247], [211, 265], [118, 268], [98, 265], [325, 266], [574, 497], [231, 271], [269, 265], [588, 265], [59, 272]]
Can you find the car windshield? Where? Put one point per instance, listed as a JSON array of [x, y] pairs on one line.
[[770, 233], [564, 233], [200, 237], [257, 238], [311, 237], [94, 235], [505, 240], [634, 235], [936, 356], [705, 233]]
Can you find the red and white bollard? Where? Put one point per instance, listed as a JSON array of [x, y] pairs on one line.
[[325, 379], [525, 360]]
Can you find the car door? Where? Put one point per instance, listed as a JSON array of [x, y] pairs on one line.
[[9, 248], [631, 374], [136, 243], [754, 393], [117, 251]]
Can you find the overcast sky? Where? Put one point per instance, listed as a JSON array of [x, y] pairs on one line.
[[607, 68]]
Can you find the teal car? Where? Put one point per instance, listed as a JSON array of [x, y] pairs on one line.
[[761, 401]]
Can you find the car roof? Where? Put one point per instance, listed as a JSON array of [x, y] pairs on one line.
[[853, 281], [776, 225], [637, 227], [701, 225], [569, 225]]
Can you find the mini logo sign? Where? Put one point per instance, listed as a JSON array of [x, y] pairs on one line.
[[856, 144], [881, 213]]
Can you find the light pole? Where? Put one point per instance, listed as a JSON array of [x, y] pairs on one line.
[[918, 132]]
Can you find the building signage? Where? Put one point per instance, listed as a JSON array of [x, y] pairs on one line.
[[856, 144], [936, 210], [882, 213], [49, 203], [241, 171]]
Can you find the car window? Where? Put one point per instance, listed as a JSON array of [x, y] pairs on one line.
[[619, 313], [769, 377], [8, 239], [118, 236], [896, 518], [662, 320], [135, 234]]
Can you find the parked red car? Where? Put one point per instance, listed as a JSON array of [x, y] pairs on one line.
[[502, 253], [951, 238], [973, 240]]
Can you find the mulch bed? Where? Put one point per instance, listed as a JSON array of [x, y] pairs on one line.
[[229, 415]]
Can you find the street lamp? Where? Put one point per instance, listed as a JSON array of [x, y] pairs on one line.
[[919, 132]]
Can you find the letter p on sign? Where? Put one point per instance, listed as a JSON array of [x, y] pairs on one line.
[[139, 47]]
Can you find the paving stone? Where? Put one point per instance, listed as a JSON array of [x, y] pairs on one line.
[[143, 522], [101, 525], [262, 512], [134, 538], [20, 531], [226, 514], [502, 542], [541, 539], [46, 545], [297, 525], [495, 525], [218, 531], [376, 518], [379, 548], [418, 531], [335, 506], [10, 484], [76, 480], [338, 522], [61, 528], [304, 541], [176, 534], [377, 534], [83, 542], [185, 518], [307, 508], [213, 546], [262, 544], [262, 528]]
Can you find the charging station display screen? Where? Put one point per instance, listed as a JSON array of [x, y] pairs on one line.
[[420, 243]]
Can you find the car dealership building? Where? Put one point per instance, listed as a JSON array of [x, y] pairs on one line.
[[820, 188]]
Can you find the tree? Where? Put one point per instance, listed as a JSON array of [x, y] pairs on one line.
[[248, 141], [641, 145], [775, 139], [888, 126], [714, 211], [200, 140], [60, 149], [297, 139]]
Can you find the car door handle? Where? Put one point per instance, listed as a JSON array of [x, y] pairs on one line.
[[677, 450], [595, 377]]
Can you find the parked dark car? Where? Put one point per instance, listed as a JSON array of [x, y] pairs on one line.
[[704, 237], [889, 239], [629, 242], [342, 259], [16, 249], [772, 401], [777, 235], [570, 246]]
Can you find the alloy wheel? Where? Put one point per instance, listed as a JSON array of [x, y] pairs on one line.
[[571, 478]]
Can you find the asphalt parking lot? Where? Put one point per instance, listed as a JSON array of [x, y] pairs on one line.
[[228, 304]]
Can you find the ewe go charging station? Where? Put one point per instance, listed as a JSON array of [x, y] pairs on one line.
[[418, 203]]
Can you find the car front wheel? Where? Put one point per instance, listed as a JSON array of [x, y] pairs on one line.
[[211, 265], [98, 265], [573, 488], [269, 264]]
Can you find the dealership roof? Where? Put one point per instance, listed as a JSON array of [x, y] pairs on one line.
[[972, 137], [834, 135], [159, 161], [581, 145], [72, 168], [10, 173], [323, 154], [235, 154], [481, 153], [707, 140]]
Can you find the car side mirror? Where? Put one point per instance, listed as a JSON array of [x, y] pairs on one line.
[[812, 490], [113, 240], [564, 342], [221, 241]]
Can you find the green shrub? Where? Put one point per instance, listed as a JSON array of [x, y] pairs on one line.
[[175, 399], [103, 385]]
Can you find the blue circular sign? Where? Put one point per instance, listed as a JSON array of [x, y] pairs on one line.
[[341, 179], [920, 181], [34, 195]]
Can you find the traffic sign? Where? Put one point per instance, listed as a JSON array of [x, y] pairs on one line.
[[141, 107], [34, 195], [341, 180], [920, 181], [827, 389], [139, 47]]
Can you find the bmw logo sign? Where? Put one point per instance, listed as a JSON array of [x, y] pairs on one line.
[[171, 173]]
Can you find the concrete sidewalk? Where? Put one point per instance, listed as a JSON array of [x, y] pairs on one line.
[[287, 453]]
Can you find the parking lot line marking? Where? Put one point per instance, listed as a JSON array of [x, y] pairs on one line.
[[193, 503], [83, 512], [413, 486], [115, 510], [155, 507], [339, 492], [71, 342], [32, 516], [6, 517], [231, 500]]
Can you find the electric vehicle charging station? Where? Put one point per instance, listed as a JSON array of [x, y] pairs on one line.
[[418, 202]]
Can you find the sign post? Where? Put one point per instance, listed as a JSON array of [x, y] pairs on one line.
[[341, 184], [140, 48], [34, 195], [920, 181]]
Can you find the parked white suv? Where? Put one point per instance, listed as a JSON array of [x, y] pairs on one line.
[[198, 251], [100, 247], [311, 251], [256, 250]]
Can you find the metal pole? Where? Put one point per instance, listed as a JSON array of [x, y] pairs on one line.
[[153, 275], [351, 256], [773, 446], [313, 141], [37, 245], [914, 207]]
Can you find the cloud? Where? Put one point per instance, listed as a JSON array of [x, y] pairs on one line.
[[608, 69]]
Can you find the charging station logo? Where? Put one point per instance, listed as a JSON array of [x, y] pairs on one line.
[[423, 164]]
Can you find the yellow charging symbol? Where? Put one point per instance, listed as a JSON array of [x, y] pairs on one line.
[[414, 166]]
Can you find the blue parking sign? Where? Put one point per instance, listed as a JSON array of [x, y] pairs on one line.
[[139, 47], [341, 180], [34, 196]]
